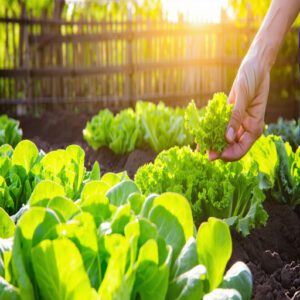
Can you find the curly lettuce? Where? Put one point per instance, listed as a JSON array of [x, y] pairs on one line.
[[209, 126], [214, 189]]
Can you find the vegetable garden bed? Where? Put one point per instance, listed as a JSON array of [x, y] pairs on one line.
[[271, 252]]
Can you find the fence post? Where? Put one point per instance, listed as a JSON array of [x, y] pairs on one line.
[[57, 49], [129, 80], [298, 79], [23, 83]]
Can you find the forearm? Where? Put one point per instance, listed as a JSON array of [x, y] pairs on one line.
[[275, 26]]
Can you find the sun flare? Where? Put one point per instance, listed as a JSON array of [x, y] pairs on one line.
[[194, 10]]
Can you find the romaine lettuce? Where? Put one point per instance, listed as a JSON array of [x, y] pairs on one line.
[[10, 132], [60, 252]]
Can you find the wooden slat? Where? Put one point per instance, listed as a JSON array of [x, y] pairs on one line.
[[129, 35]]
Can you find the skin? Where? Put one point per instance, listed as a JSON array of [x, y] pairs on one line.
[[250, 89]]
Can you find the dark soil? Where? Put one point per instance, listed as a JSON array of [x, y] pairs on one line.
[[272, 253], [55, 131]]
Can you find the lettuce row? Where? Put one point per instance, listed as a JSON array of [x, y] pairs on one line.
[[214, 189], [22, 168], [113, 243], [158, 126], [208, 126]]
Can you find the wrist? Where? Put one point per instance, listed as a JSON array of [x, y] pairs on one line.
[[264, 49]]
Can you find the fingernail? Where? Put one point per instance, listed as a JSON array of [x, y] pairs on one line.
[[230, 134]]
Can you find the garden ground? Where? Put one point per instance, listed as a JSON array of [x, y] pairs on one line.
[[272, 253]]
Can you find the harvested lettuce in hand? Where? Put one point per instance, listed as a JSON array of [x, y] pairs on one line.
[[209, 126]]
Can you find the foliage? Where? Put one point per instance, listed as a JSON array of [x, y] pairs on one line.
[[22, 168], [228, 191], [244, 9], [158, 126], [162, 126], [209, 125], [150, 254], [120, 133], [279, 169], [10, 132], [124, 132], [115, 9], [96, 130], [289, 130]]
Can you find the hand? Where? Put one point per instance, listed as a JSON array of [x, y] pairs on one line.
[[249, 94]]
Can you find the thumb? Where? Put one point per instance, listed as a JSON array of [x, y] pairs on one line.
[[238, 96]]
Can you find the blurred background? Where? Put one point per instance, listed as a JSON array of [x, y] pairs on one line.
[[83, 55]]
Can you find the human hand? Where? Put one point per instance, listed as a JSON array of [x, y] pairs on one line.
[[249, 94]]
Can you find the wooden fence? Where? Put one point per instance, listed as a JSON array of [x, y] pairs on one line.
[[113, 64]]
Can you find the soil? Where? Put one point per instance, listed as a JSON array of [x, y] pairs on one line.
[[272, 252], [58, 130]]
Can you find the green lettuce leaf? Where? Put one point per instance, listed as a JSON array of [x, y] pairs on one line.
[[239, 277], [10, 132], [59, 271], [7, 226], [8, 291], [223, 294], [96, 130], [209, 126], [214, 248]]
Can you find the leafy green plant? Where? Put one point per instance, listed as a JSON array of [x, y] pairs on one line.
[[214, 189], [120, 133], [158, 126], [22, 168], [162, 126], [279, 169], [208, 126], [289, 130], [10, 132], [103, 247], [124, 132], [96, 131]]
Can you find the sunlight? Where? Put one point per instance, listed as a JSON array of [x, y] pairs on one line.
[[194, 10]]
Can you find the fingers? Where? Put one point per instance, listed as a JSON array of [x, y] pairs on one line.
[[239, 133], [239, 96], [212, 155], [238, 149]]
